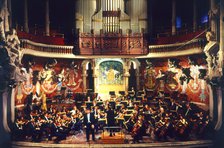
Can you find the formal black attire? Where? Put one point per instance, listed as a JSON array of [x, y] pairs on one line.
[[89, 120], [110, 119]]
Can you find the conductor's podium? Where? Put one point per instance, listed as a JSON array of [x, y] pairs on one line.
[[118, 138]]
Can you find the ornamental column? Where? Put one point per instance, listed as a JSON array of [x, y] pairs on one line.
[[84, 76], [47, 19], [26, 28], [173, 17], [212, 16], [10, 13], [137, 79], [195, 15], [221, 44]]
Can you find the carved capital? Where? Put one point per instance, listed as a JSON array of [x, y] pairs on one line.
[[211, 50]]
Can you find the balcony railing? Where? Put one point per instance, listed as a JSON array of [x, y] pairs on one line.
[[185, 48], [27, 44], [195, 43], [111, 44]]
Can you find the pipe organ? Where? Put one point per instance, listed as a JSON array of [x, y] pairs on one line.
[[111, 16]]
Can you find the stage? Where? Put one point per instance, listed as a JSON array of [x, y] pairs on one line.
[[121, 139], [189, 144]]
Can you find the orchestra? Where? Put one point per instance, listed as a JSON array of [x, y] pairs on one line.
[[159, 118]]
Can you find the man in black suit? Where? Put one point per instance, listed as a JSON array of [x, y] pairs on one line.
[[89, 121]]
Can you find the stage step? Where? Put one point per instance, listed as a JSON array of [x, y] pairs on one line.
[[117, 139]]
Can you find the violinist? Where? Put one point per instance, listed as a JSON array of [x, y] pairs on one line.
[[182, 128], [57, 131], [18, 129], [74, 110]]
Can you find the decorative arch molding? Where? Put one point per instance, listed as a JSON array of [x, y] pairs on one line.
[[126, 63], [84, 72]]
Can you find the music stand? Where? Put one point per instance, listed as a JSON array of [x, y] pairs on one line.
[[112, 93], [127, 117], [140, 93], [122, 93], [112, 104], [89, 104], [99, 103], [125, 103], [131, 93], [118, 107]]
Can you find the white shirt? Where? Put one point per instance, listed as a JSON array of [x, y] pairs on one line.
[[88, 118]]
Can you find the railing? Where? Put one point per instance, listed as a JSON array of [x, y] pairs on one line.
[[111, 44], [55, 38], [195, 43], [27, 44], [190, 47]]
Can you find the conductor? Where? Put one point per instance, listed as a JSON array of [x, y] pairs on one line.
[[89, 121], [110, 119]]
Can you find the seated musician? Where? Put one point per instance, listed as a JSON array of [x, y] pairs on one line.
[[50, 109], [146, 108], [88, 99], [122, 109], [64, 110], [34, 130], [57, 130], [75, 123], [173, 105], [120, 119], [137, 129], [129, 124], [18, 129], [136, 107], [45, 121], [130, 103], [161, 112], [74, 110]]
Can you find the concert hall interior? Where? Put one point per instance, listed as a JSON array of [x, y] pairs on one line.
[[111, 73]]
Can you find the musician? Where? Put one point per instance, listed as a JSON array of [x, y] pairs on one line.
[[76, 123], [50, 109], [96, 115], [137, 130], [129, 124], [34, 130], [146, 108], [18, 131], [57, 130], [89, 122], [122, 109], [88, 99], [173, 105], [110, 119], [74, 110]]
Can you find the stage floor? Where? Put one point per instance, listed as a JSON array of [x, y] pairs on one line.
[[79, 140], [185, 144]]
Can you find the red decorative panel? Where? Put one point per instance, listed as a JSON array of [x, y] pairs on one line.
[[50, 78], [196, 88]]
